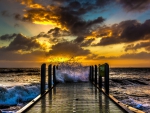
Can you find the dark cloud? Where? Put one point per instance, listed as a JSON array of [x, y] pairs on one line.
[[32, 56], [42, 34], [134, 47], [107, 41], [68, 49], [22, 43], [102, 3], [125, 32], [83, 42], [99, 20], [57, 32], [79, 39], [75, 5], [141, 55], [79, 27], [74, 24], [87, 42], [60, 1], [66, 17], [5, 13], [8, 37], [54, 35], [97, 57], [133, 30], [135, 5]]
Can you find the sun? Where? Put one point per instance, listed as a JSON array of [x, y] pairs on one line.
[[57, 59]]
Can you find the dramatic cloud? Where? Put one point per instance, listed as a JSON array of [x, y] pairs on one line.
[[134, 47], [33, 56], [68, 49], [61, 18], [87, 42], [102, 3], [75, 5], [79, 39], [7, 37], [22, 43], [54, 35], [141, 55], [64, 14], [57, 32], [83, 42], [95, 57], [135, 5], [133, 30], [124, 32]]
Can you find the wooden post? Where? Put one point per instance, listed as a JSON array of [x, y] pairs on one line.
[[96, 75], [54, 75], [100, 78], [49, 76], [43, 75], [92, 73], [106, 78]]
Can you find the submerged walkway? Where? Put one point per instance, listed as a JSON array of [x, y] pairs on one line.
[[75, 98]]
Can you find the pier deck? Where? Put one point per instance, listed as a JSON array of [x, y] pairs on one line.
[[75, 98]]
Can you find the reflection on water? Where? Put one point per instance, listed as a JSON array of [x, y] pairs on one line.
[[75, 97]]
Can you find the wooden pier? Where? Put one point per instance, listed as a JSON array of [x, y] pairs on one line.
[[85, 97]]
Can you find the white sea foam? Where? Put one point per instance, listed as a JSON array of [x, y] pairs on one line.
[[72, 72], [18, 94]]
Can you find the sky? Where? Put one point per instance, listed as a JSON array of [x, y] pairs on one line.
[[91, 32]]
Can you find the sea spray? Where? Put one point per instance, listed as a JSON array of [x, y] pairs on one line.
[[72, 71]]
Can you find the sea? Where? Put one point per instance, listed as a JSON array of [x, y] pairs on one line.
[[18, 86]]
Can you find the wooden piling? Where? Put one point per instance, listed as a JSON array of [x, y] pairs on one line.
[[96, 75], [43, 76], [54, 75], [49, 76], [106, 78], [92, 68], [100, 78]]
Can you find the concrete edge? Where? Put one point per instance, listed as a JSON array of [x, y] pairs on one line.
[[125, 107], [32, 102]]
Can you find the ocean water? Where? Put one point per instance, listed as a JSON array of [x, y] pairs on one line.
[[131, 86], [18, 86]]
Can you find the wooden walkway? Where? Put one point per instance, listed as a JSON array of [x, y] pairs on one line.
[[75, 98]]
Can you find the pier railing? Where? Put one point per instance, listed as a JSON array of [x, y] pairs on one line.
[[96, 74]]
